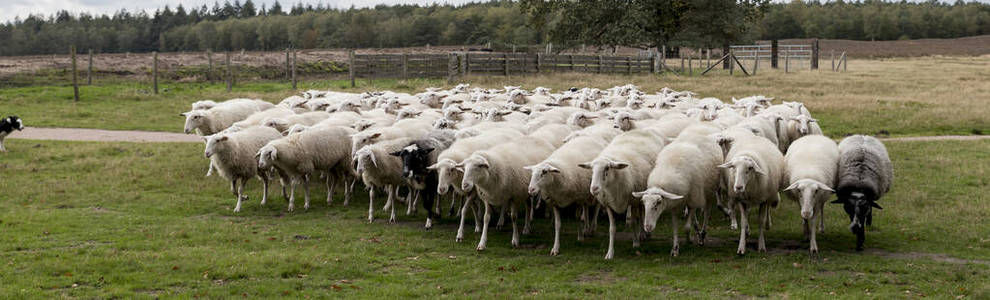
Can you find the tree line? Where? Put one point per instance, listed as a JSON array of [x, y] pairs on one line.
[[638, 23]]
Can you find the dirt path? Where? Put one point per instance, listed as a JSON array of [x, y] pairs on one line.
[[98, 135]]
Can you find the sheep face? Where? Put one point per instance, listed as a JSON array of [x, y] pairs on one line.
[[361, 125], [266, 156], [476, 170], [363, 159], [655, 202], [542, 91], [541, 176], [214, 144], [443, 124], [602, 171], [406, 113], [581, 119], [362, 139], [447, 174], [415, 160], [803, 123], [623, 121], [296, 129], [448, 102], [350, 105], [859, 206], [432, 99], [807, 191], [742, 169], [279, 124], [194, 120]]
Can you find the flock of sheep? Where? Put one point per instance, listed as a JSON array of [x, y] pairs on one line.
[[619, 150]]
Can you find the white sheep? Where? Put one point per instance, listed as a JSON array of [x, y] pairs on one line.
[[618, 171], [379, 169], [408, 128], [309, 119], [553, 133], [218, 118], [449, 176], [258, 118], [500, 179], [233, 155], [753, 170], [811, 167], [302, 156], [560, 182], [686, 175]]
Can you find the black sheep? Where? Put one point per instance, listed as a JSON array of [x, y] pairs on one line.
[[865, 174]]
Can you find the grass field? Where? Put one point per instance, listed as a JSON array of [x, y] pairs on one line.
[[125, 220], [899, 97]]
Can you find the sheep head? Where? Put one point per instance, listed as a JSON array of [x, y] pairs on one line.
[[743, 169], [806, 190], [541, 175], [655, 202]]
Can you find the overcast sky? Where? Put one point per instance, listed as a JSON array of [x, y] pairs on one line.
[[9, 9]]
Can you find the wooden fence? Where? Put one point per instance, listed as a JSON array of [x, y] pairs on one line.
[[456, 64]]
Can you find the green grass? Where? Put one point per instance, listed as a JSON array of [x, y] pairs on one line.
[[899, 97], [126, 220]]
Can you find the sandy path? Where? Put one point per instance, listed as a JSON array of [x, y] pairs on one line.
[[98, 135]]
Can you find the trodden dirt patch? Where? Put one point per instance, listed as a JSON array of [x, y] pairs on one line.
[[98, 135]]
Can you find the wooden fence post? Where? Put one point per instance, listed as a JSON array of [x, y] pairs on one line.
[[787, 60], [708, 58], [75, 82], [690, 68], [663, 58], [293, 69], [756, 63], [845, 63], [505, 63], [628, 65], [464, 64], [774, 54], [405, 65], [601, 63], [230, 79], [351, 67], [209, 72], [726, 64], [154, 71], [732, 66], [451, 66], [539, 63], [89, 71], [288, 71], [814, 54], [571, 58], [831, 54], [653, 63]]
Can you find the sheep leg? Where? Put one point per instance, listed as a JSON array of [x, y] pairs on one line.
[[512, 218], [391, 196], [484, 229], [453, 205], [764, 219], [611, 234], [281, 180], [233, 183], [676, 248], [411, 204], [584, 222], [813, 244], [388, 201], [594, 219], [742, 229], [820, 207], [371, 204], [705, 215], [209, 171], [501, 218], [306, 190], [639, 232], [429, 202], [292, 193], [478, 212], [330, 185], [556, 232], [460, 229], [529, 219], [233, 187], [265, 180], [348, 191], [806, 226]]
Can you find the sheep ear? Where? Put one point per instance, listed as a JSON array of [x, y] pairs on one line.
[[553, 169], [725, 165], [182, 114], [375, 135], [273, 155], [433, 167], [586, 165], [619, 165], [792, 186], [824, 187], [813, 120], [639, 194], [759, 169], [396, 153], [875, 205], [222, 138]]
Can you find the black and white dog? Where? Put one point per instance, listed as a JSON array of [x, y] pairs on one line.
[[8, 125]]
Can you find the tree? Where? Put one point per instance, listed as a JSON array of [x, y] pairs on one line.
[[247, 10], [276, 9]]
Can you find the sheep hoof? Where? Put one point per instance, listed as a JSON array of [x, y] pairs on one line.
[[554, 252], [675, 252], [609, 255], [459, 239], [480, 248]]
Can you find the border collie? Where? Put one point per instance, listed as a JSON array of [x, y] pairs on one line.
[[8, 125]]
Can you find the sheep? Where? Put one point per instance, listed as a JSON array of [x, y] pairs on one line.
[[282, 124], [760, 127], [405, 128], [560, 182], [686, 175], [522, 97], [755, 168], [416, 159], [800, 125], [259, 117], [626, 121], [618, 171], [218, 118], [380, 169], [582, 119], [481, 127], [811, 166], [449, 176], [865, 175], [8, 125], [325, 149], [294, 103], [203, 104], [553, 133], [233, 156], [603, 131], [500, 179], [429, 115]]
